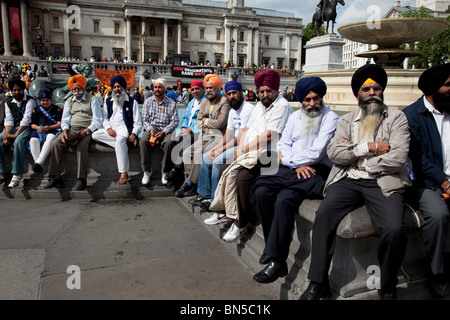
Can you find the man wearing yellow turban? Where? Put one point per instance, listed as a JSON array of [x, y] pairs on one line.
[[81, 116]]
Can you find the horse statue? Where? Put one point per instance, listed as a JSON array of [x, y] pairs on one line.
[[326, 12]]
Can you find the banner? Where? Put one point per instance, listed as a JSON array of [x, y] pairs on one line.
[[191, 71], [14, 23], [105, 76]]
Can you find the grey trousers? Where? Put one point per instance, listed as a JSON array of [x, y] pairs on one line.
[[146, 152]]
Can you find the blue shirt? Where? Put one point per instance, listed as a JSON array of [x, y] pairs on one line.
[[294, 148], [189, 122]]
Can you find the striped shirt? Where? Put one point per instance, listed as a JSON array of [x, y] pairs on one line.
[[162, 115]]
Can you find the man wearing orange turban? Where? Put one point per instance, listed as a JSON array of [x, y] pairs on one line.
[[82, 115], [215, 80]]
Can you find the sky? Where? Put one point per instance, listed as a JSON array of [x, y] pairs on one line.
[[352, 11]]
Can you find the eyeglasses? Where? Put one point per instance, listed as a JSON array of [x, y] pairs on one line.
[[367, 89]]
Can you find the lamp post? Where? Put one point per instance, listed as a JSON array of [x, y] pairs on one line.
[[261, 50], [232, 49]]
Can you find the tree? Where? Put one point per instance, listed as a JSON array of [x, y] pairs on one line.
[[435, 50]]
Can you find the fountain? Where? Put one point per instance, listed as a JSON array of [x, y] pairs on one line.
[[389, 34]]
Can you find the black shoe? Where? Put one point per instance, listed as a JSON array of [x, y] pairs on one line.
[[195, 201], [437, 286], [316, 291], [186, 191], [37, 168], [172, 174], [81, 185], [271, 272], [265, 259], [388, 295], [54, 183], [204, 205]]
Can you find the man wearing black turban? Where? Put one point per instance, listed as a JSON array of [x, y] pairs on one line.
[[369, 151], [429, 123]]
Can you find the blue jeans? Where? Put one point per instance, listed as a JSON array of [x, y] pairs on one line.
[[20, 149], [209, 172]]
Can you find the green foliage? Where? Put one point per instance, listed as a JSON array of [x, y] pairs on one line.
[[435, 50]]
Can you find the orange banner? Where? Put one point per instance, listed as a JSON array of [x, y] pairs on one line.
[[105, 76]]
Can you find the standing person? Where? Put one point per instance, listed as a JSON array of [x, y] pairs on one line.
[[46, 125], [212, 120], [224, 150], [189, 131], [369, 152], [122, 124], [18, 110], [304, 168], [429, 125], [82, 115], [160, 119], [260, 136]]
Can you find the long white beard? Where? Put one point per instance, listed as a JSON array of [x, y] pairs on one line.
[[369, 118], [119, 99], [309, 126]]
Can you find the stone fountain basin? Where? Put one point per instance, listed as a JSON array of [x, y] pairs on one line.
[[391, 33]]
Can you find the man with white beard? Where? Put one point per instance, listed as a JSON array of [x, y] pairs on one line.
[[303, 170], [369, 151], [122, 124]]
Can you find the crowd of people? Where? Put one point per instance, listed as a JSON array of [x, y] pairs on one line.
[[247, 162]]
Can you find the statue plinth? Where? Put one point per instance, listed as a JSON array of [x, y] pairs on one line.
[[324, 53]]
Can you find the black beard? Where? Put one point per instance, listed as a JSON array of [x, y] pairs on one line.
[[236, 103], [267, 101], [442, 102]]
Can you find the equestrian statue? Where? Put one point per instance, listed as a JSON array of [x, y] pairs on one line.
[[325, 12]]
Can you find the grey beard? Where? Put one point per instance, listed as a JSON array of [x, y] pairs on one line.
[[310, 123], [119, 98], [371, 108], [313, 114], [211, 96]]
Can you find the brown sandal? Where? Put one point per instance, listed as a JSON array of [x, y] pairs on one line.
[[123, 180]]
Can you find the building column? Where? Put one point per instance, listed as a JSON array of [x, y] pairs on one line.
[[166, 40], [299, 52], [67, 52], [179, 30], [25, 33], [256, 48], [288, 49], [144, 35], [235, 49], [227, 43], [6, 35], [250, 45], [128, 39]]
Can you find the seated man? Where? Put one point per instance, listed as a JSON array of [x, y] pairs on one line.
[[46, 126], [160, 119], [212, 120], [17, 130], [429, 125], [82, 115], [304, 168], [369, 152], [122, 125], [224, 150], [261, 135]]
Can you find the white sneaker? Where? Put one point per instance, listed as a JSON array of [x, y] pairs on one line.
[[233, 233], [163, 178], [146, 177], [217, 218], [15, 181]]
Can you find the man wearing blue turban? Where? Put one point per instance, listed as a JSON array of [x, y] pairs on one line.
[[303, 170]]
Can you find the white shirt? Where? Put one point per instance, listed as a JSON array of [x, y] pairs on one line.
[[273, 118], [238, 119], [26, 120], [116, 121], [443, 125]]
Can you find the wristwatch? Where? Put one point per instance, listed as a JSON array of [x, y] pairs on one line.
[[88, 132]]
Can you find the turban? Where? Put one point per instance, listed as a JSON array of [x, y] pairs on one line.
[[215, 80], [161, 81], [21, 84], [305, 85], [269, 78], [197, 83], [233, 85], [120, 80], [77, 79], [434, 78], [368, 73], [44, 93]]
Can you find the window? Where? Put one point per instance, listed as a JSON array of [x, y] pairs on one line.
[[280, 42], [184, 32], [57, 51], [202, 34], [117, 53], [218, 34], [76, 52], [134, 29], [280, 63], [201, 58], [96, 26], [218, 59], [170, 32], [267, 40], [241, 61], [117, 28], [241, 36], [152, 30], [134, 55], [292, 64], [55, 22], [97, 52]]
